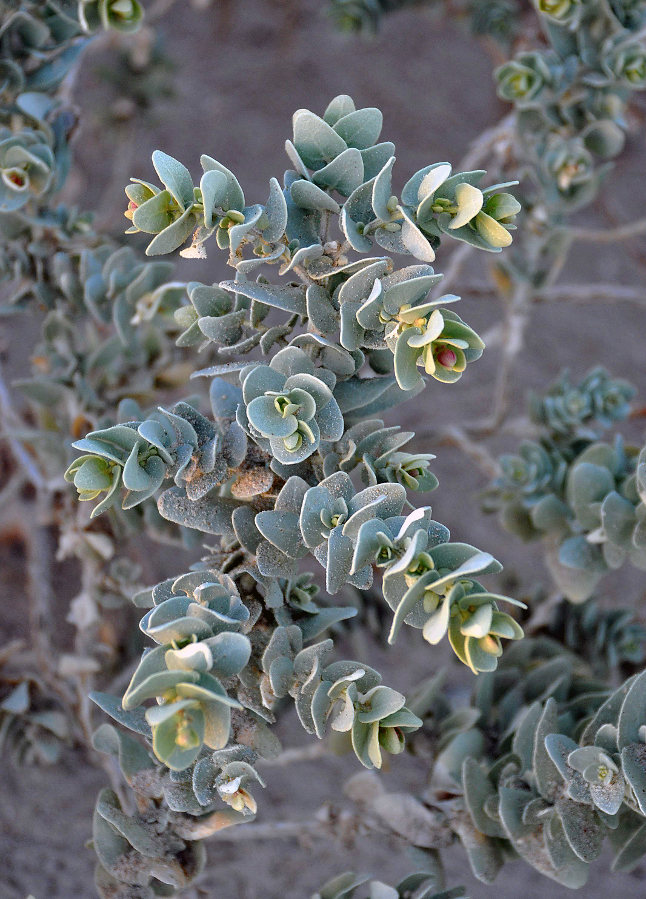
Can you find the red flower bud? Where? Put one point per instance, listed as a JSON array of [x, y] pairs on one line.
[[446, 357]]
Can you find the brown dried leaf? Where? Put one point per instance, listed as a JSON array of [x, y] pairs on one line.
[[252, 483]]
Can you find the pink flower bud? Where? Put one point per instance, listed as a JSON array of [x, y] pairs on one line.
[[446, 357]]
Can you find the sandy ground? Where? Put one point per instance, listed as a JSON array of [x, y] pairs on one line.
[[433, 83]]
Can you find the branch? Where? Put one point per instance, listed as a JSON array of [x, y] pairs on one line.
[[623, 232], [478, 289], [273, 830], [455, 436], [513, 339], [564, 293], [11, 422], [457, 260], [39, 558], [307, 753], [481, 147], [593, 293], [12, 488]]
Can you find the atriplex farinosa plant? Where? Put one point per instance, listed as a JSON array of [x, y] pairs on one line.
[[571, 87], [546, 762], [90, 368], [583, 497], [495, 18], [269, 472], [293, 460]]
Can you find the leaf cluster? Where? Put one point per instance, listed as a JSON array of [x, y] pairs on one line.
[[582, 497], [269, 471], [564, 771]]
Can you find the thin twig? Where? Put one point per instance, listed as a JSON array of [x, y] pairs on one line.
[[481, 146], [513, 337], [308, 753], [84, 683], [12, 488], [593, 293], [455, 265], [477, 289], [11, 422], [10, 649], [39, 561], [568, 293], [273, 830], [329, 822], [575, 293], [608, 235], [454, 436]]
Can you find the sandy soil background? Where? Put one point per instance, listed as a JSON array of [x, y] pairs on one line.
[[234, 93]]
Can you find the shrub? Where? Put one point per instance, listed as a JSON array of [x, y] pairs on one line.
[[286, 460]]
